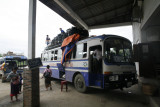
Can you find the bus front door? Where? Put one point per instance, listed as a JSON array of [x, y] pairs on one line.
[[95, 66]]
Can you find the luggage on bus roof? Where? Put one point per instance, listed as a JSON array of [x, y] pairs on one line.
[[57, 41]]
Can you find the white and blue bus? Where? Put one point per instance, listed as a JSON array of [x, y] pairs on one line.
[[11, 61], [115, 69]]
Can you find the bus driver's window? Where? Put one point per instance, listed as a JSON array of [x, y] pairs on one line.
[[52, 55], [85, 50]]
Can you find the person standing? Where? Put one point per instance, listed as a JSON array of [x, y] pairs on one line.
[[13, 75], [20, 82], [98, 54], [98, 60], [64, 35], [62, 31], [47, 40], [47, 75]]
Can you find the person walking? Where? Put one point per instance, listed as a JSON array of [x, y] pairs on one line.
[[13, 75], [47, 75]]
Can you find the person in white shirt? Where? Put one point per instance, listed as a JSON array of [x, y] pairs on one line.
[[97, 55]]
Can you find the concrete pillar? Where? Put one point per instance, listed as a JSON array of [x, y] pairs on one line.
[[31, 96], [32, 29]]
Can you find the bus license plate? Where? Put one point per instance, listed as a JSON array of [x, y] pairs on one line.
[[129, 84]]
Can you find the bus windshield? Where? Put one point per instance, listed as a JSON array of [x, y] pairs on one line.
[[117, 50], [19, 63], [11, 63]]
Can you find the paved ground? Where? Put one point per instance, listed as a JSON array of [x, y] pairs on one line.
[[130, 97]]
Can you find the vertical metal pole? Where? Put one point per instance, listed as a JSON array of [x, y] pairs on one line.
[[32, 29]]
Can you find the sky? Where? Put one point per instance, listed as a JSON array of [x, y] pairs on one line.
[[14, 26]]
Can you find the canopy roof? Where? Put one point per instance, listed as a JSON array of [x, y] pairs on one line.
[[91, 14]]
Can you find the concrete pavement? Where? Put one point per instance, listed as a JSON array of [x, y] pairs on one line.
[[131, 97]]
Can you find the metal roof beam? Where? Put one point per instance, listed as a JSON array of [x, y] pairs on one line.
[[117, 18], [110, 25], [67, 9], [89, 5], [125, 5]]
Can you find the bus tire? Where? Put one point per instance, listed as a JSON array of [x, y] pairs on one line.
[[79, 83]]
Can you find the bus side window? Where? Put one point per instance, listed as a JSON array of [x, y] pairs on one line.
[[52, 52], [79, 53], [46, 56], [51, 58], [52, 55], [59, 54], [74, 52], [42, 56], [85, 50], [55, 55], [49, 55]]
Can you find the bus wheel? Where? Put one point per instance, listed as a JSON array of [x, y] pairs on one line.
[[79, 83]]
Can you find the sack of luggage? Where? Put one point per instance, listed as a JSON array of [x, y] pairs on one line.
[[82, 32], [72, 31], [59, 38]]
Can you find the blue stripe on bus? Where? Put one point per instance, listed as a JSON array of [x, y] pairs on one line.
[[81, 68], [78, 60], [68, 60]]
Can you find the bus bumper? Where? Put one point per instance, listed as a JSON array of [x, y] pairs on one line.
[[124, 80]]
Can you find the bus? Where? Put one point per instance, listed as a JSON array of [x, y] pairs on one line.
[[115, 68], [8, 62]]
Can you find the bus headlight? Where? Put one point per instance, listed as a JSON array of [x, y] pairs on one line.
[[113, 78]]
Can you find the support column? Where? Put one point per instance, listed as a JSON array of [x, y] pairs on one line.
[[31, 96], [32, 29]]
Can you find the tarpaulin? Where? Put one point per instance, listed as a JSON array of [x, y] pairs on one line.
[[67, 46]]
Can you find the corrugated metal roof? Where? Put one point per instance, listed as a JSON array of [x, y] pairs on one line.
[[92, 12]]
